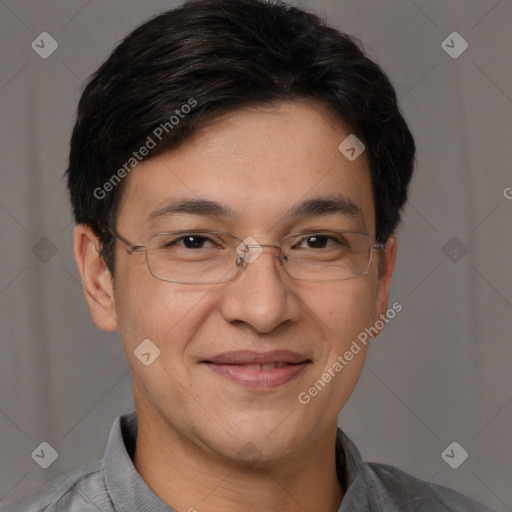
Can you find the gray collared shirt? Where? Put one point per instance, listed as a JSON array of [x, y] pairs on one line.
[[113, 484]]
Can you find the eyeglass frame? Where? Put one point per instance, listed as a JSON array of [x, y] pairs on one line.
[[240, 260]]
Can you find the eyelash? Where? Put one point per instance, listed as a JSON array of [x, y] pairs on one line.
[[175, 241]]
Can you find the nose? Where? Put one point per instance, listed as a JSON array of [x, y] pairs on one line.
[[262, 295]]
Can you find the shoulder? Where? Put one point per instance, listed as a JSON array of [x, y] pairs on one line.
[[82, 490], [410, 493]]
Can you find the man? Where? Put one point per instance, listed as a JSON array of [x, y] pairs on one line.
[[237, 172]]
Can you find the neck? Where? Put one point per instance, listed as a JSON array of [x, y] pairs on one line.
[[189, 477]]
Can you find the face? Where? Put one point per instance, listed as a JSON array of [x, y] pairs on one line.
[[259, 165]]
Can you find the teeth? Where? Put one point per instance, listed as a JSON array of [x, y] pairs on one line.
[[269, 366], [253, 366]]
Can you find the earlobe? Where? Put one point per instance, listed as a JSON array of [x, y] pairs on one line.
[[384, 280], [96, 278]]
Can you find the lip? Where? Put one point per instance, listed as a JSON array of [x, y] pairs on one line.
[[233, 366], [239, 357]]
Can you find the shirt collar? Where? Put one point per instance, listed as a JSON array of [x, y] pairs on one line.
[[128, 491], [360, 490]]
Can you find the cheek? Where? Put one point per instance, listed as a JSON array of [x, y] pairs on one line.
[[344, 309], [168, 314], [341, 311]]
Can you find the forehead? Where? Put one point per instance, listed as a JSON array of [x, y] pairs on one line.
[[260, 168]]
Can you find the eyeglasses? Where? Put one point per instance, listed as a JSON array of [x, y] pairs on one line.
[[209, 257]]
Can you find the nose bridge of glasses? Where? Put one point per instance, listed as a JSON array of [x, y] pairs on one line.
[[249, 250], [257, 246]]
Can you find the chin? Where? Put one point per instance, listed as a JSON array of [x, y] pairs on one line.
[[257, 441]]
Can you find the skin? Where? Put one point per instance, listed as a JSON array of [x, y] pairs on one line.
[[193, 423]]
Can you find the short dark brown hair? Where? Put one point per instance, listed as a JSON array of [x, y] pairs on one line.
[[208, 57]]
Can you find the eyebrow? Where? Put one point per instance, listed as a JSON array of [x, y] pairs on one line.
[[203, 207], [318, 206], [314, 207]]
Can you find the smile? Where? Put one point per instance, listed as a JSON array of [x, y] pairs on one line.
[[258, 371]]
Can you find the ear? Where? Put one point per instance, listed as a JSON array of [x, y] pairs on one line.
[[96, 278], [384, 280]]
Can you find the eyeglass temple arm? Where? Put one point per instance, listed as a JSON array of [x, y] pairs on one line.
[[129, 246]]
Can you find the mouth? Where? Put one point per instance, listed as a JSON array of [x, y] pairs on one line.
[[268, 366], [258, 370]]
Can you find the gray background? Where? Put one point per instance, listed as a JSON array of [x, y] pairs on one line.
[[439, 373]]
